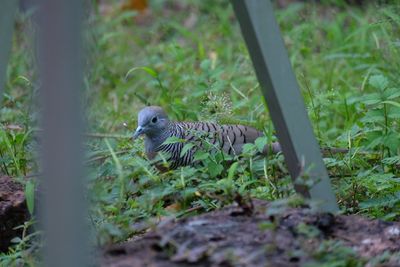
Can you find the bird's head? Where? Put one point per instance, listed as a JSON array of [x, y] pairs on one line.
[[152, 121]]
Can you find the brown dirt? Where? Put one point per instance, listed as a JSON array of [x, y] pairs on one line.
[[234, 237], [13, 210]]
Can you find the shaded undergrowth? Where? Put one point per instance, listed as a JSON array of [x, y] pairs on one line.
[[190, 58]]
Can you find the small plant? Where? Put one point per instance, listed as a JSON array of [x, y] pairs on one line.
[[335, 254], [382, 114], [25, 248], [13, 151]]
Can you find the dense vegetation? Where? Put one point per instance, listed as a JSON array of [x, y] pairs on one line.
[[190, 58]]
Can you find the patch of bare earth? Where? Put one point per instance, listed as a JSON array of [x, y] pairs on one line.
[[265, 236], [13, 210]]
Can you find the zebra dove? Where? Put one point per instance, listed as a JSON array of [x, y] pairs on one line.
[[153, 122]]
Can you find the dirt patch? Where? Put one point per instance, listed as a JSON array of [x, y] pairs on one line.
[[13, 210], [269, 236]]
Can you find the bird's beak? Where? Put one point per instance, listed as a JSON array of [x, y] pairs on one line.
[[138, 132]]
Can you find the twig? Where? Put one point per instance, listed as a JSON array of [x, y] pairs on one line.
[[106, 156], [339, 150], [189, 210], [340, 176], [334, 150], [32, 175], [106, 135], [97, 135]]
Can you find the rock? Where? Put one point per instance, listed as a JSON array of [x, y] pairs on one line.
[[13, 210]]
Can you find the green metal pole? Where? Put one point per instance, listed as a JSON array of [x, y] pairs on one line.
[[281, 91], [63, 207], [7, 14]]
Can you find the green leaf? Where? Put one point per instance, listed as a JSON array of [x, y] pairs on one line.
[[173, 140], [379, 82], [186, 148], [393, 103], [385, 201], [391, 93], [232, 170], [371, 99], [23, 78], [30, 196], [392, 140], [248, 148], [16, 240], [200, 155], [391, 160], [205, 64], [214, 168], [374, 139], [150, 71], [394, 113], [119, 170], [375, 115], [260, 143]]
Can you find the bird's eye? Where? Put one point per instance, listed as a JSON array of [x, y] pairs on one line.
[[154, 120]]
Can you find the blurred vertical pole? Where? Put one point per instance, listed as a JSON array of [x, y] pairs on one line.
[[63, 208], [7, 14], [285, 102]]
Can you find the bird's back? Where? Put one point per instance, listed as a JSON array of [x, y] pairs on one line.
[[205, 135]]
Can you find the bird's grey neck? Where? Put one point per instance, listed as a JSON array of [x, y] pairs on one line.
[[159, 137]]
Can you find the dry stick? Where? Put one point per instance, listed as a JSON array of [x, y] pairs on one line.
[[195, 208], [32, 175], [334, 150], [337, 150], [106, 156], [98, 135], [106, 135], [340, 176]]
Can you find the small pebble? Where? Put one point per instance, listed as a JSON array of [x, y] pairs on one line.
[[393, 230]]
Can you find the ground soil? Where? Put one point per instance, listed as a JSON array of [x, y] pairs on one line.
[[260, 234], [13, 210]]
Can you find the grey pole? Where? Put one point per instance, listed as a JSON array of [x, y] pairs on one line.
[[281, 91], [63, 208], [7, 14]]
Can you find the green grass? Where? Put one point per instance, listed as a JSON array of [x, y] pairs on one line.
[[346, 61]]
